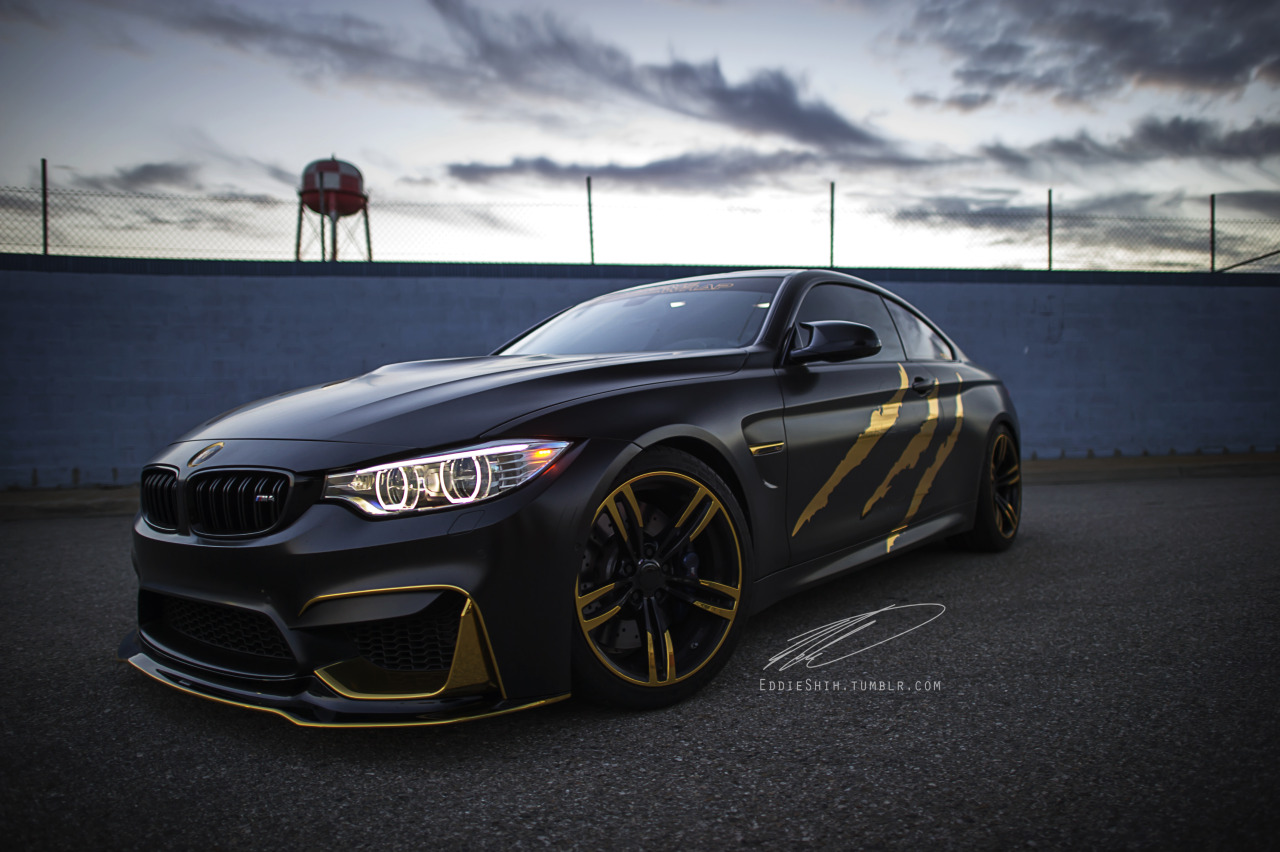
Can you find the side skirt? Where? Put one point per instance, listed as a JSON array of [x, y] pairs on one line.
[[782, 584]]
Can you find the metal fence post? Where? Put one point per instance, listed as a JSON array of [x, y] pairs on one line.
[[1213, 233], [1049, 228], [368, 238], [297, 243], [591, 223], [833, 225], [44, 201]]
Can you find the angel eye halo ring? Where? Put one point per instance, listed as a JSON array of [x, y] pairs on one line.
[[421, 484]]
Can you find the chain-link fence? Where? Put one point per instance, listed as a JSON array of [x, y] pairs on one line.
[[781, 232]]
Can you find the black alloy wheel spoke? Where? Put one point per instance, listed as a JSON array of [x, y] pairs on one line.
[[1007, 512], [636, 516], [697, 514], [627, 524]]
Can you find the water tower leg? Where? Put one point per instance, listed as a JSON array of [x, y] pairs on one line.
[[333, 221]]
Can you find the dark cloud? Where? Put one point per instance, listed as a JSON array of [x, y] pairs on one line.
[[977, 207], [1261, 202], [1127, 230], [143, 178], [961, 101], [1074, 50], [1110, 242], [531, 58], [23, 12], [1127, 205], [1151, 139], [345, 46], [725, 171], [1109, 231], [990, 209], [1184, 137], [540, 52]]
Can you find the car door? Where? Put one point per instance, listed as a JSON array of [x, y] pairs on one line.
[[946, 483], [855, 431]]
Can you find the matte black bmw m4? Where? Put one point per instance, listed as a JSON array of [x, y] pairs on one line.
[[596, 508]]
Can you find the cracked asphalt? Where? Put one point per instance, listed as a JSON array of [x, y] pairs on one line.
[[1109, 683]]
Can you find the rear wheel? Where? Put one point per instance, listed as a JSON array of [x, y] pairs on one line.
[[999, 511], [660, 596]]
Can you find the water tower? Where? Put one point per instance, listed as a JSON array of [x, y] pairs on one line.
[[333, 189]]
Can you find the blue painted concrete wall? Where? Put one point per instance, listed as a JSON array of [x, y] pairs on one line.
[[105, 361]]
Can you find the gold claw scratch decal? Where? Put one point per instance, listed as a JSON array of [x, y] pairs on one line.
[[911, 455], [931, 473], [882, 420]]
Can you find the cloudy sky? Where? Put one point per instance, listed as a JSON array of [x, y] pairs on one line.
[[1130, 108]]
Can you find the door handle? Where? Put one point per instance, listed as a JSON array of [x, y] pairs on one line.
[[922, 385]]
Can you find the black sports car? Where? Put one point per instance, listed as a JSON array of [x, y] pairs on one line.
[[595, 508]]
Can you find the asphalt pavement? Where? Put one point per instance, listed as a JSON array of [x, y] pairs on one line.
[[1108, 683]]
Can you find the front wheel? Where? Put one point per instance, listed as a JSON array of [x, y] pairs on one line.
[[999, 511], [660, 597]]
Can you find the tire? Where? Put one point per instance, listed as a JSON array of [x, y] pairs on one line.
[[661, 596], [999, 511]]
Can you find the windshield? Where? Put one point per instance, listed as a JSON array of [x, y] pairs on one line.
[[714, 314]]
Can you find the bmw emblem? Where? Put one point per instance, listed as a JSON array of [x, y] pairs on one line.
[[205, 454]]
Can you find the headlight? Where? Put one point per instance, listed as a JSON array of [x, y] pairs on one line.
[[431, 482]]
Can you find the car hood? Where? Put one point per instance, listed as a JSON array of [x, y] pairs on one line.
[[426, 404]]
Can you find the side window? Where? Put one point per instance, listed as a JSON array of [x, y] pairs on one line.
[[922, 343], [851, 304]]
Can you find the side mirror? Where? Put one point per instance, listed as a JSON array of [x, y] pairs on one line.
[[832, 340]]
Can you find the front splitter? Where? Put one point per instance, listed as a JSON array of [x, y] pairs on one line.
[[308, 702]]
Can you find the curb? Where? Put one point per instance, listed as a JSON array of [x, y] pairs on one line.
[[1119, 468]]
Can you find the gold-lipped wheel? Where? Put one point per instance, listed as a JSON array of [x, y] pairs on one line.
[[998, 512], [1006, 485], [660, 588]]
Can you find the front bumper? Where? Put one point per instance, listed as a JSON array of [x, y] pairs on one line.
[[309, 702], [330, 603]]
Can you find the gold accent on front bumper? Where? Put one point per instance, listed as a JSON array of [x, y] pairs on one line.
[[363, 592], [473, 669]]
